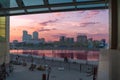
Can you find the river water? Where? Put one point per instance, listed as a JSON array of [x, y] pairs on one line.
[[73, 54]]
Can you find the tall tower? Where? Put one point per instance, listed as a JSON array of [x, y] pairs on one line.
[[25, 36], [35, 35]]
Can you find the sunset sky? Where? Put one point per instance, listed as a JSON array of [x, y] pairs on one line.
[[93, 23]]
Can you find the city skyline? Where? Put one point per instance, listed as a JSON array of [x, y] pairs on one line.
[[82, 41], [35, 36], [52, 25]]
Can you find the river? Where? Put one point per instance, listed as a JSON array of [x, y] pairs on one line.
[[73, 54]]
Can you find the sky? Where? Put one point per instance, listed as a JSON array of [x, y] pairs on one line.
[[93, 23]]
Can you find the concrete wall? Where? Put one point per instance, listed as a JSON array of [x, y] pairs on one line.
[[4, 41], [109, 65], [103, 67], [3, 52]]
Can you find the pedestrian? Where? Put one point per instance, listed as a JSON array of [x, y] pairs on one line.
[[17, 59], [10, 67], [4, 71], [66, 59]]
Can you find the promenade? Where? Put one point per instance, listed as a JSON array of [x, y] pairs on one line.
[[59, 70]]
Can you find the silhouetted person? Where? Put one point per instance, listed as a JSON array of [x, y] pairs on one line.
[[43, 57], [17, 59], [31, 59], [32, 67], [24, 62], [95, 73], [10, 67], [3, 71], [65, 59]]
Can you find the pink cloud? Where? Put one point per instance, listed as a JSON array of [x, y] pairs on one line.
[[92, 13], [81, 24], [43, 29], [88, 24], [45, 23]]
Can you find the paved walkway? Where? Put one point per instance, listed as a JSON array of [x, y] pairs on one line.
[[71, 71], [22, 73]]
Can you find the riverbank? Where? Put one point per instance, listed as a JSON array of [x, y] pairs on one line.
[[50, 48], [71, 54]]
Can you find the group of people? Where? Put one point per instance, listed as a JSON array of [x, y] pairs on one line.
[[5, 70]]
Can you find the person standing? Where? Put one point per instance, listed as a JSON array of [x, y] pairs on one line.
[[4, 72]]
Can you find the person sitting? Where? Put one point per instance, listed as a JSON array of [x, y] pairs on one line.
[[32, 67]]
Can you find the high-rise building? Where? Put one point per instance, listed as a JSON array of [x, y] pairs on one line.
[[29, 37], [103, 43], [70, 40], [62, 38], [35, 35], [25, 36], [90, 43], [82, 38]]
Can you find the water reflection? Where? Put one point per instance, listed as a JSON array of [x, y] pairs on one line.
[[73, 54]]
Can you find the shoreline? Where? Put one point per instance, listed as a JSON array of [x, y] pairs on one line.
[[73, 54], [86, 49], [78, 61]]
